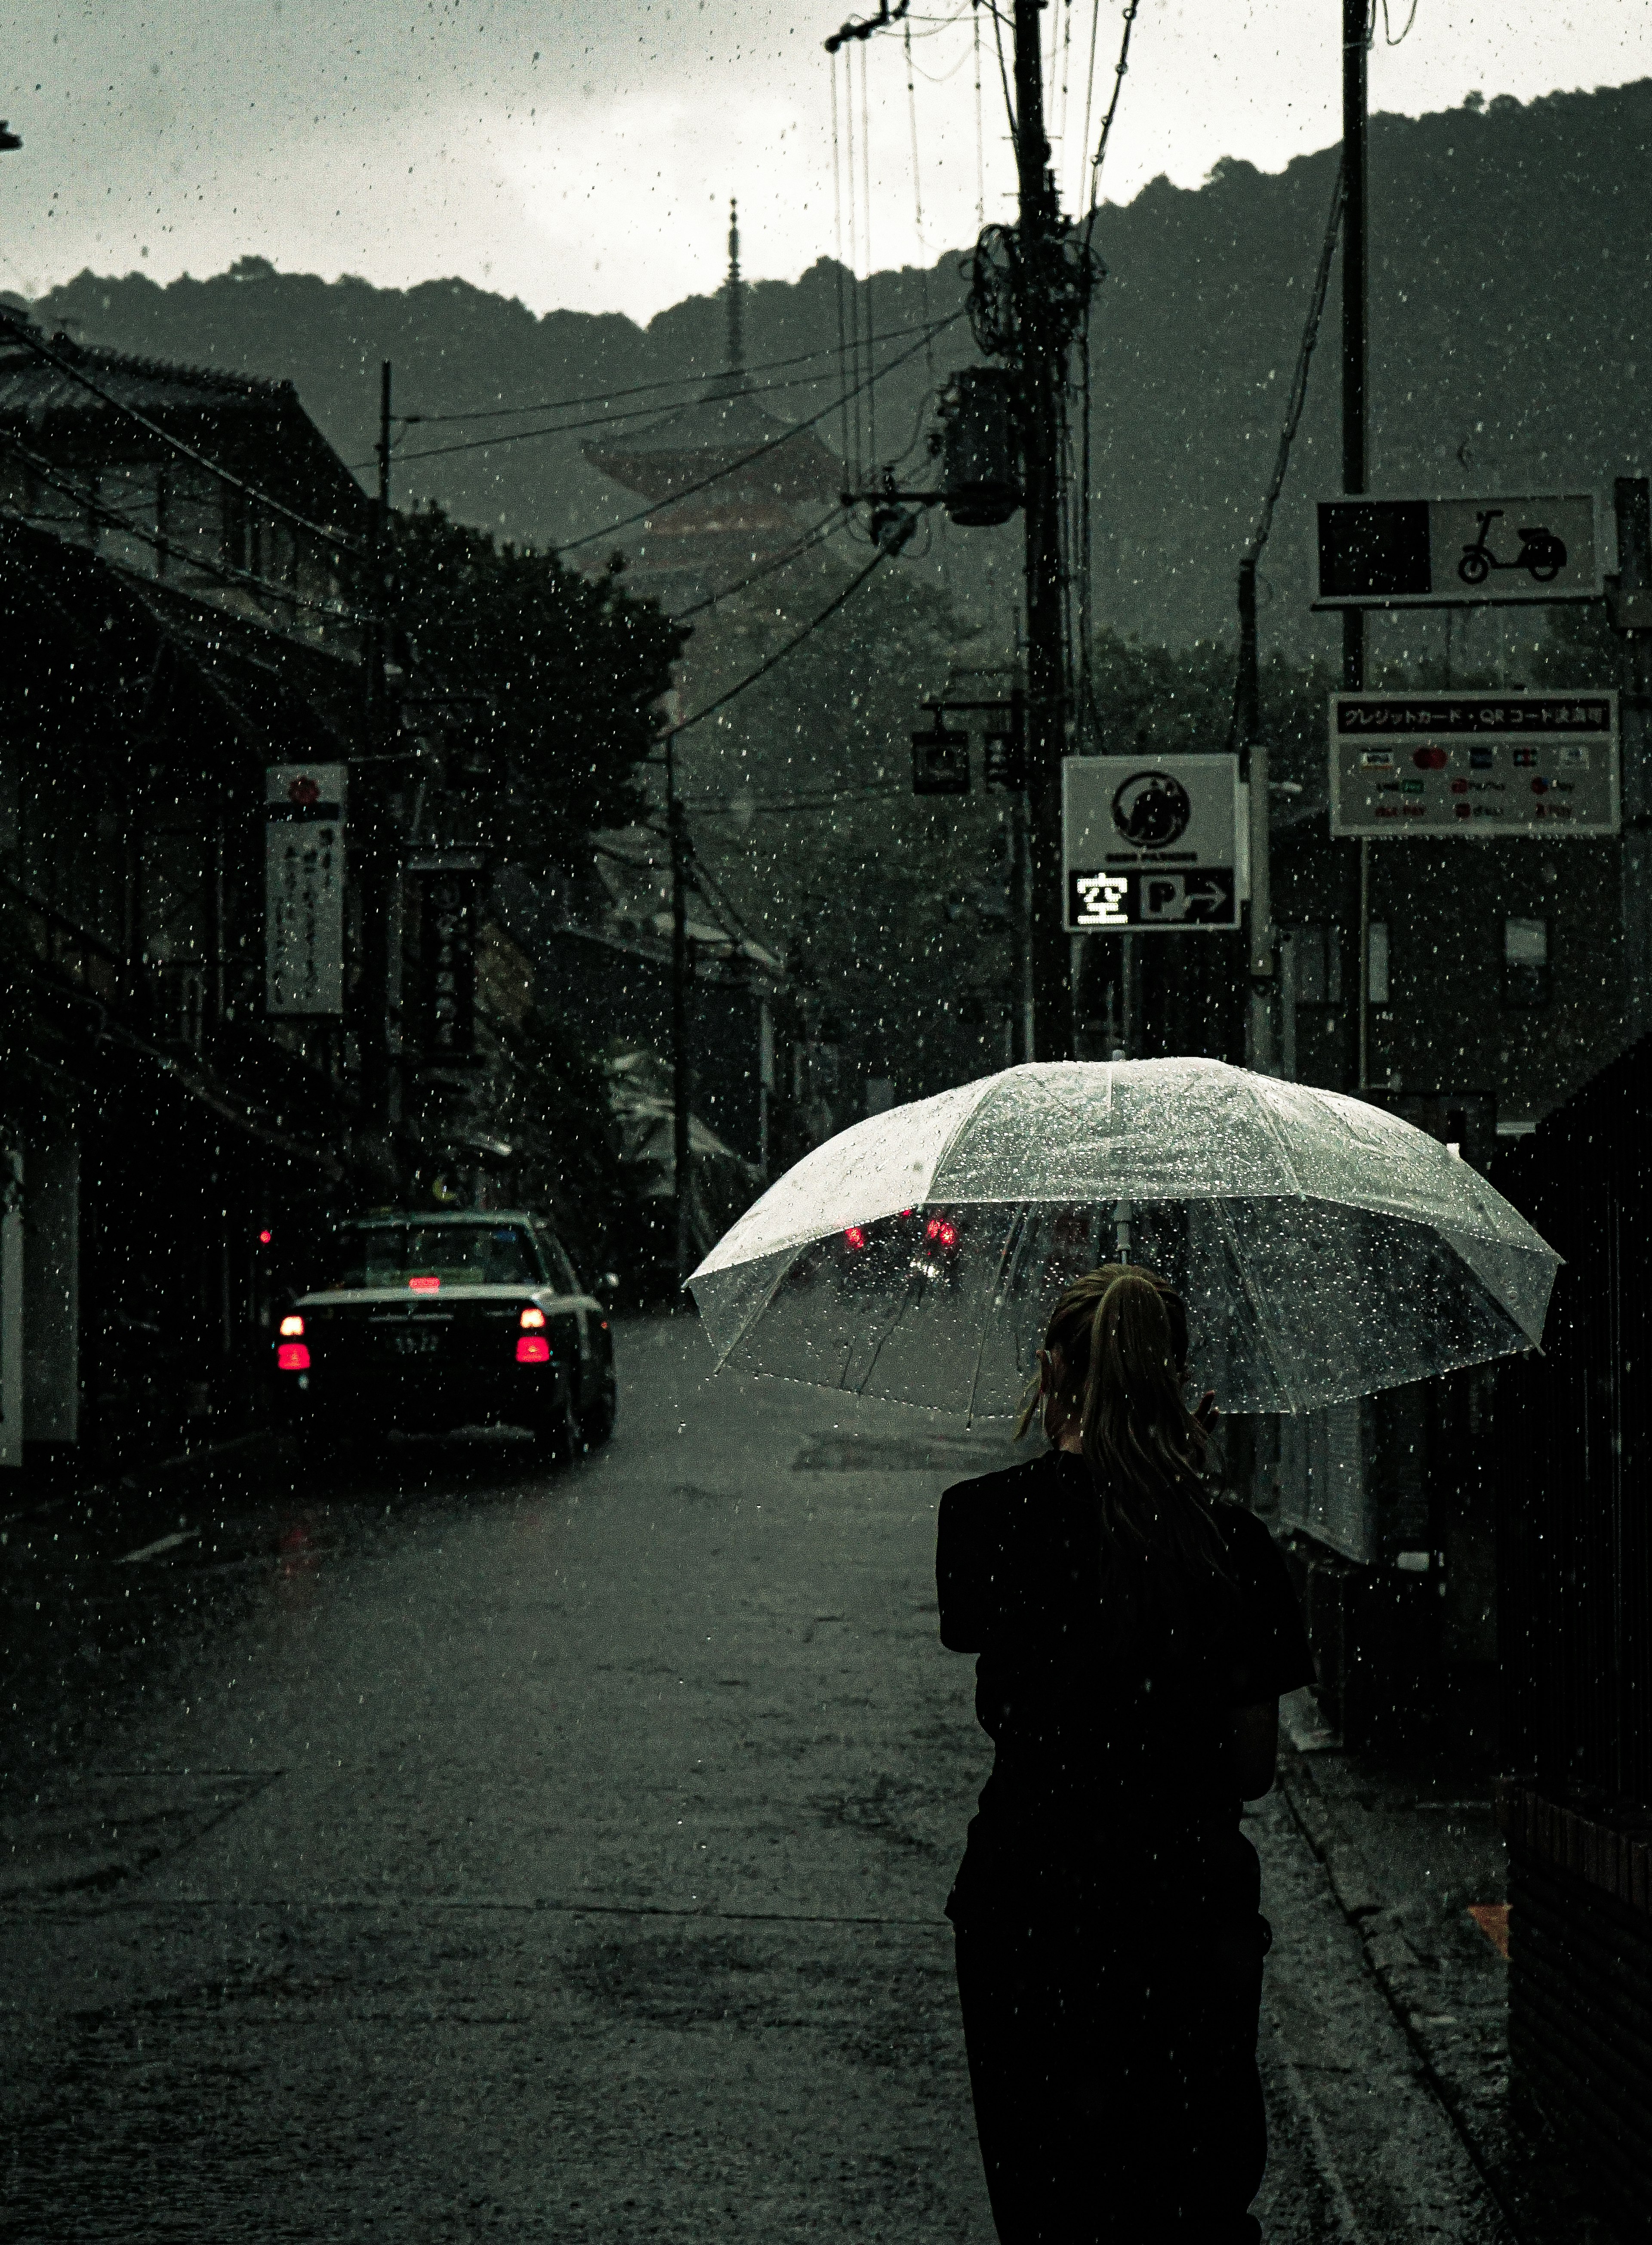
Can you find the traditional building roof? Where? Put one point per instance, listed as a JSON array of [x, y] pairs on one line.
[[222, 415]]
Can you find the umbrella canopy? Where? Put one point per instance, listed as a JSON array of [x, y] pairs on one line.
[[1324, 1249]]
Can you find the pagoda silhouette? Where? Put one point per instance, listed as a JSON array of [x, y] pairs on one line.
[[750, 510]]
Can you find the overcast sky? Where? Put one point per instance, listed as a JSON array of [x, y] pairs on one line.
[[582, 152]]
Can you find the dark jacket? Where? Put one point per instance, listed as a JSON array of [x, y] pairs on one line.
[[1104, 1679]]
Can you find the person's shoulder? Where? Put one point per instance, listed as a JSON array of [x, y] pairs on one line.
[[1007, 1489], [1248, 1541]]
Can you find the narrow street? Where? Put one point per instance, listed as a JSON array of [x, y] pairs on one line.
[[475, 1850]]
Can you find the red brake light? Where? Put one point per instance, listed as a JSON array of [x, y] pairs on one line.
[[933, 1229], [533, 1348], [264, 1238], [292, 1326], [948, 1235], [854, 1236], [424, 1286], [293, 1356]]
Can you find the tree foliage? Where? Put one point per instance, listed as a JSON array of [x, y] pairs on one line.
[[553, 681]]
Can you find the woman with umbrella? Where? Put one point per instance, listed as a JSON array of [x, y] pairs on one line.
[[1134, 1641], [1133, 1636]]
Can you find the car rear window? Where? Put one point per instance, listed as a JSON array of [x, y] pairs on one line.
[[451, 1254]]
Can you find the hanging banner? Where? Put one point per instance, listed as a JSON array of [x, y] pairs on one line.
[[304, 888], [441, 988]]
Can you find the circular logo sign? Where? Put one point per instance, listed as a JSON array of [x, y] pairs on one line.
[[303, 791], [1152, 810]]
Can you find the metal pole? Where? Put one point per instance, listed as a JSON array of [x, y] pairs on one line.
[[1023, 1038], [1632, 503], [1355, 367], [1042, 356], [682, 1083], [1253, 753]]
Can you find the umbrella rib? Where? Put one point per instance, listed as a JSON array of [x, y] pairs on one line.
[[1012, 1239], [1277, 1135], [1224, 1217]]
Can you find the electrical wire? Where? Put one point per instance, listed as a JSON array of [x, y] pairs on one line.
[[837, 264], [980, 129], [757, 452], [779, 654], [597, 420], [1003, 78], [1388, 40], [866, 244], [1089, 75], [817, 536], [1298, 398], [333, 538], [636, 389]]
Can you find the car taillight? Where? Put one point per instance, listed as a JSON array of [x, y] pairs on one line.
[[948, 1235], [854, 1236], [291, 1328], [424, 1286], [292, 1356], [933, 1229], [534, 1348], [531, 1319]]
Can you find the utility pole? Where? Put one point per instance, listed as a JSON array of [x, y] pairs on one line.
[[1042, 351], [1355, 367], [379, 863], [1629, 604], [1253, 767], [681, 1077]]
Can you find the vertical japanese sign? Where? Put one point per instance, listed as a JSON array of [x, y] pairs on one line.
[[304, 888], [442, 991]]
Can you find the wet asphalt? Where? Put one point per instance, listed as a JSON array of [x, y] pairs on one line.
[[473, 1848]]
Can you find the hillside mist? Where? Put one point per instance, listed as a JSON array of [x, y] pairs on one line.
[[1511, 313]]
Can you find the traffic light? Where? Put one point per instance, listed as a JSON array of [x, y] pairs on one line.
[[940, 762]]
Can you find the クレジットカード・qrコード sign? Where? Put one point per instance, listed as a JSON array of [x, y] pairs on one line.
[[1474, 767]]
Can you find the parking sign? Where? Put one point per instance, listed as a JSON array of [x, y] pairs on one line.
[[1152, 843]]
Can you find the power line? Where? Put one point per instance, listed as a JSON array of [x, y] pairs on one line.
[[187, 452], [225, 572], [638, 390], [597, 420], [779, 653], [758, 451], [821, 531], [1299, 397]]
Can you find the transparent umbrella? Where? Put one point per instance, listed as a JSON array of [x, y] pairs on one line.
[[1324, 1249]]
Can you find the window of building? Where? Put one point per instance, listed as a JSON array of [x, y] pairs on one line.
[[1526, 962]]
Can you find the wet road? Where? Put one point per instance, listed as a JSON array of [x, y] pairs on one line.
[[482, 1851]]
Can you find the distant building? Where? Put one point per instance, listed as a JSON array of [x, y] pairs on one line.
[[751, 485]]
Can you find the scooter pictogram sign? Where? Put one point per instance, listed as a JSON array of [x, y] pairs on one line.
[[1458, 552]]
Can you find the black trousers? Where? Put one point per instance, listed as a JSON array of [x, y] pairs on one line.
[[1114, 2069]]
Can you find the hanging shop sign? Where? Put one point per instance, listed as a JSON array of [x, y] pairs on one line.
[[441, 985], [304, 888], [1152, 845], [1459, 552], [1475, 767]]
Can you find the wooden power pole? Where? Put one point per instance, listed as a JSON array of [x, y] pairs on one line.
[[1043, 343]]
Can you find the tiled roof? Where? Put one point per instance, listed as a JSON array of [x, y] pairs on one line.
[[30, 386]]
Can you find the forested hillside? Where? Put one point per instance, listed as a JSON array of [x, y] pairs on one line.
[[1511, 318]]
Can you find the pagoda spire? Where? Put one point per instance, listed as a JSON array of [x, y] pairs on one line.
[[736, 308]]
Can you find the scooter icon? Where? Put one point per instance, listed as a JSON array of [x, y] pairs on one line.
[[1541, 552]]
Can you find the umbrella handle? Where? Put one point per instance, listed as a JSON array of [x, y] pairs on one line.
[[1123, 1220]]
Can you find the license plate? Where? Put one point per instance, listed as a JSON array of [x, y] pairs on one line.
[[415, 1343]]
